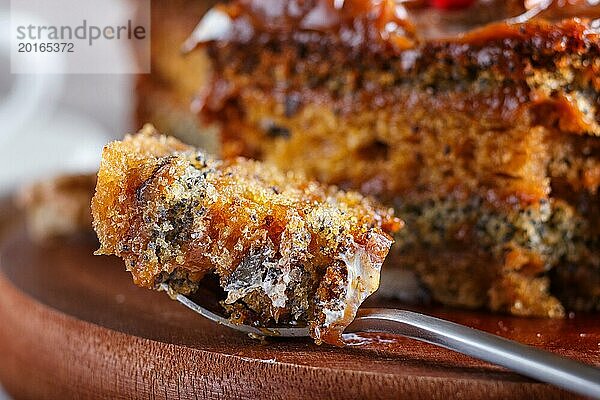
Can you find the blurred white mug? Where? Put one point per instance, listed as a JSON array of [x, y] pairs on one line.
[[29, 95]]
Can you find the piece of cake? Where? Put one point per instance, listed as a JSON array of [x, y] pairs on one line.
[[484, 138], [58, 207], [285, 249]]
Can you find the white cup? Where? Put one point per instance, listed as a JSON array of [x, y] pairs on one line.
[[30, 95]]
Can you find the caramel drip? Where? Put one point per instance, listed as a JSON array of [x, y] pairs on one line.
[[374, 24]]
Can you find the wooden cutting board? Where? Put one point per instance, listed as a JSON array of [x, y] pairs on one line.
[[72, 325]]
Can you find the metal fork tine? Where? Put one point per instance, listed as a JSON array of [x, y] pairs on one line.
[[261, 331]]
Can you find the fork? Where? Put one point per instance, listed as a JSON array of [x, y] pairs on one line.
[[528, 361]]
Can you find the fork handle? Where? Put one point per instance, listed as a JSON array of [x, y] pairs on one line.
[[528, 361]]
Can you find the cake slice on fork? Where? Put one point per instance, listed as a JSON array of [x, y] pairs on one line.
[[285, 249]]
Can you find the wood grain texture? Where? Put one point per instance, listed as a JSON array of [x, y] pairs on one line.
[[74, 326]]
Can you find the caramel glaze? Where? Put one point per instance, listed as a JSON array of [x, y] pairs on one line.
[[381, 24], [379, 36]]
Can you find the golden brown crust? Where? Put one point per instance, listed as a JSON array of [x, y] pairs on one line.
[[285, 247]]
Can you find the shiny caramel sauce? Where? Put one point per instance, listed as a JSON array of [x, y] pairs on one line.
[[377, 24], [382, 23]]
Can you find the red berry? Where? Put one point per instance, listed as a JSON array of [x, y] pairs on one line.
[[451, 4]]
